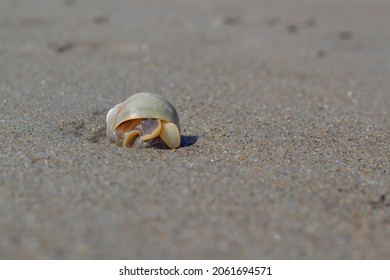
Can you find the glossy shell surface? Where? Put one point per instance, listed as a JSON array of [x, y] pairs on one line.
[[146, 115]]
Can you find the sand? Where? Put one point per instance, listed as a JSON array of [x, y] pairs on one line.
[[284, 110]]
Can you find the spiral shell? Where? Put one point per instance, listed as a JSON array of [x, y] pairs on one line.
[[144, 115]]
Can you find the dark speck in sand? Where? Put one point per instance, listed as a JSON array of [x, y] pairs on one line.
[[100, 19], [292, 28], [62, 47], [69, 3], [231, 20], [344, 35]]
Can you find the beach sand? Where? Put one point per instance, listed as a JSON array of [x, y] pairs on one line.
[[284, 111]]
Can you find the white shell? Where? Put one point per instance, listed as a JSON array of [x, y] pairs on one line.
[[138, 107]]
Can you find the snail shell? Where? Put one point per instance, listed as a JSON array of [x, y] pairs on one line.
[[145, 115]]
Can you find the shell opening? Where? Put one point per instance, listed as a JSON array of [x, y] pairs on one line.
[[122, 129], [126, 133]]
